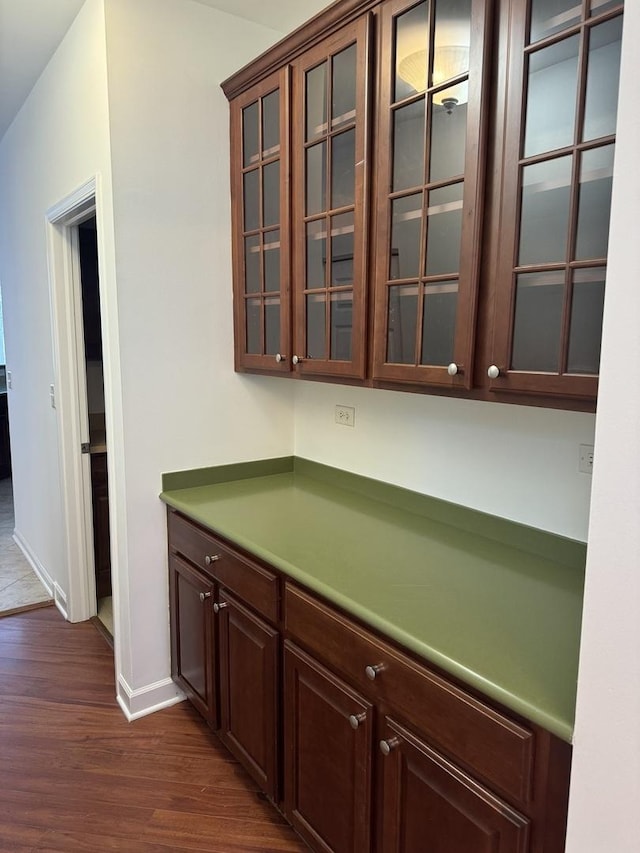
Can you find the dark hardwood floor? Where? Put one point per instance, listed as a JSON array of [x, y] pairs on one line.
[[76, 776]]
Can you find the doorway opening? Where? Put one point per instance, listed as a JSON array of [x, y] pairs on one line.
[[76, 240], [94, 378]]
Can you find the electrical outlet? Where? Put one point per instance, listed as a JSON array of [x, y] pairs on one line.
[[346, 416], [585, 459]]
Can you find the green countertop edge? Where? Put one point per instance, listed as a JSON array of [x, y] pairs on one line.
[[544, 544]]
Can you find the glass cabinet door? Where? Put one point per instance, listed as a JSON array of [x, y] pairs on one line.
[[429, 179], [260, 177], [330, 130], [561, 120]]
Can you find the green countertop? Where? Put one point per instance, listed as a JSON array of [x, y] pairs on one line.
[[495, 603]]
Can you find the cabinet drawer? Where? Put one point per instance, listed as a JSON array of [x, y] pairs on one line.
[[486, 741], [255, 585]]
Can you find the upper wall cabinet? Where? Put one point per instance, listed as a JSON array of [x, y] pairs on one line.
[[261, 239], [330, 134], [421, 195], [559, 148], [429, 189]]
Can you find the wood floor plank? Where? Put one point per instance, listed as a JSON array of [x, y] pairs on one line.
[[75, 776]]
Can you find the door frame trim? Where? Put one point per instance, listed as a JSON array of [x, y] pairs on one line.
[[71, 393]]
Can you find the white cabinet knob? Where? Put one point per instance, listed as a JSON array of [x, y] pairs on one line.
[[493, 372], [296, 359], [280, 357], [452, 370]]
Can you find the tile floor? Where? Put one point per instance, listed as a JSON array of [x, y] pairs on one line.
[[20, 588]]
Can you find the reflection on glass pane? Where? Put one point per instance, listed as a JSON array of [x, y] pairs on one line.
[[412, 39], [402, 322], [343, 169], [316, 178], [316, 253], [252, 200], [272, 260], [538, 322], [552, 16], [551, 98], [316, 327], [343, 106], [316, 101], [452, 39], [252, 264], [545, 211], [439, 322], [594, 207], [408, 146], [254, 338], [271, 124], [341, 323], [586, 321], [250, 134], [271, 194], [406, 230], [601, 108], [600, 6], [342, 249], [448, 141], [452, 98], [444, 229], [272, 326]]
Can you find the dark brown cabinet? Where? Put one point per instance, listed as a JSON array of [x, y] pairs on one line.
[[447, 200], [249, 658], [328, 736], [432, 116], [363, 747], [261, 241], [192, 636], [225, 655], [429, 803]]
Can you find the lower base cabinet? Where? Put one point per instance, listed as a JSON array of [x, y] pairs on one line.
[[430, 804], [362, 747], [249, 654], [328, 738]]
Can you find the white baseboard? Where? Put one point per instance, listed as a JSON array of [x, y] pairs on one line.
[[147, 700], [44, 576]]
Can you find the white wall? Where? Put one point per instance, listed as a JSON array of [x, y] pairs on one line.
[[605, 790], [514, 461], [183, 405], [57, 142]]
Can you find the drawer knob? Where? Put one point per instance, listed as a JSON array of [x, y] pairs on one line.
[[493, 372], [297, 359], [211, 558], [356, 719], [280, 357], [204, 596], [387, 745], [372, 671], [217, 606]]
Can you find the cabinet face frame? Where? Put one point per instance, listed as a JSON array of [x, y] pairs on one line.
[[279, 81], [560, 383], [358, 33], [468, 273]]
